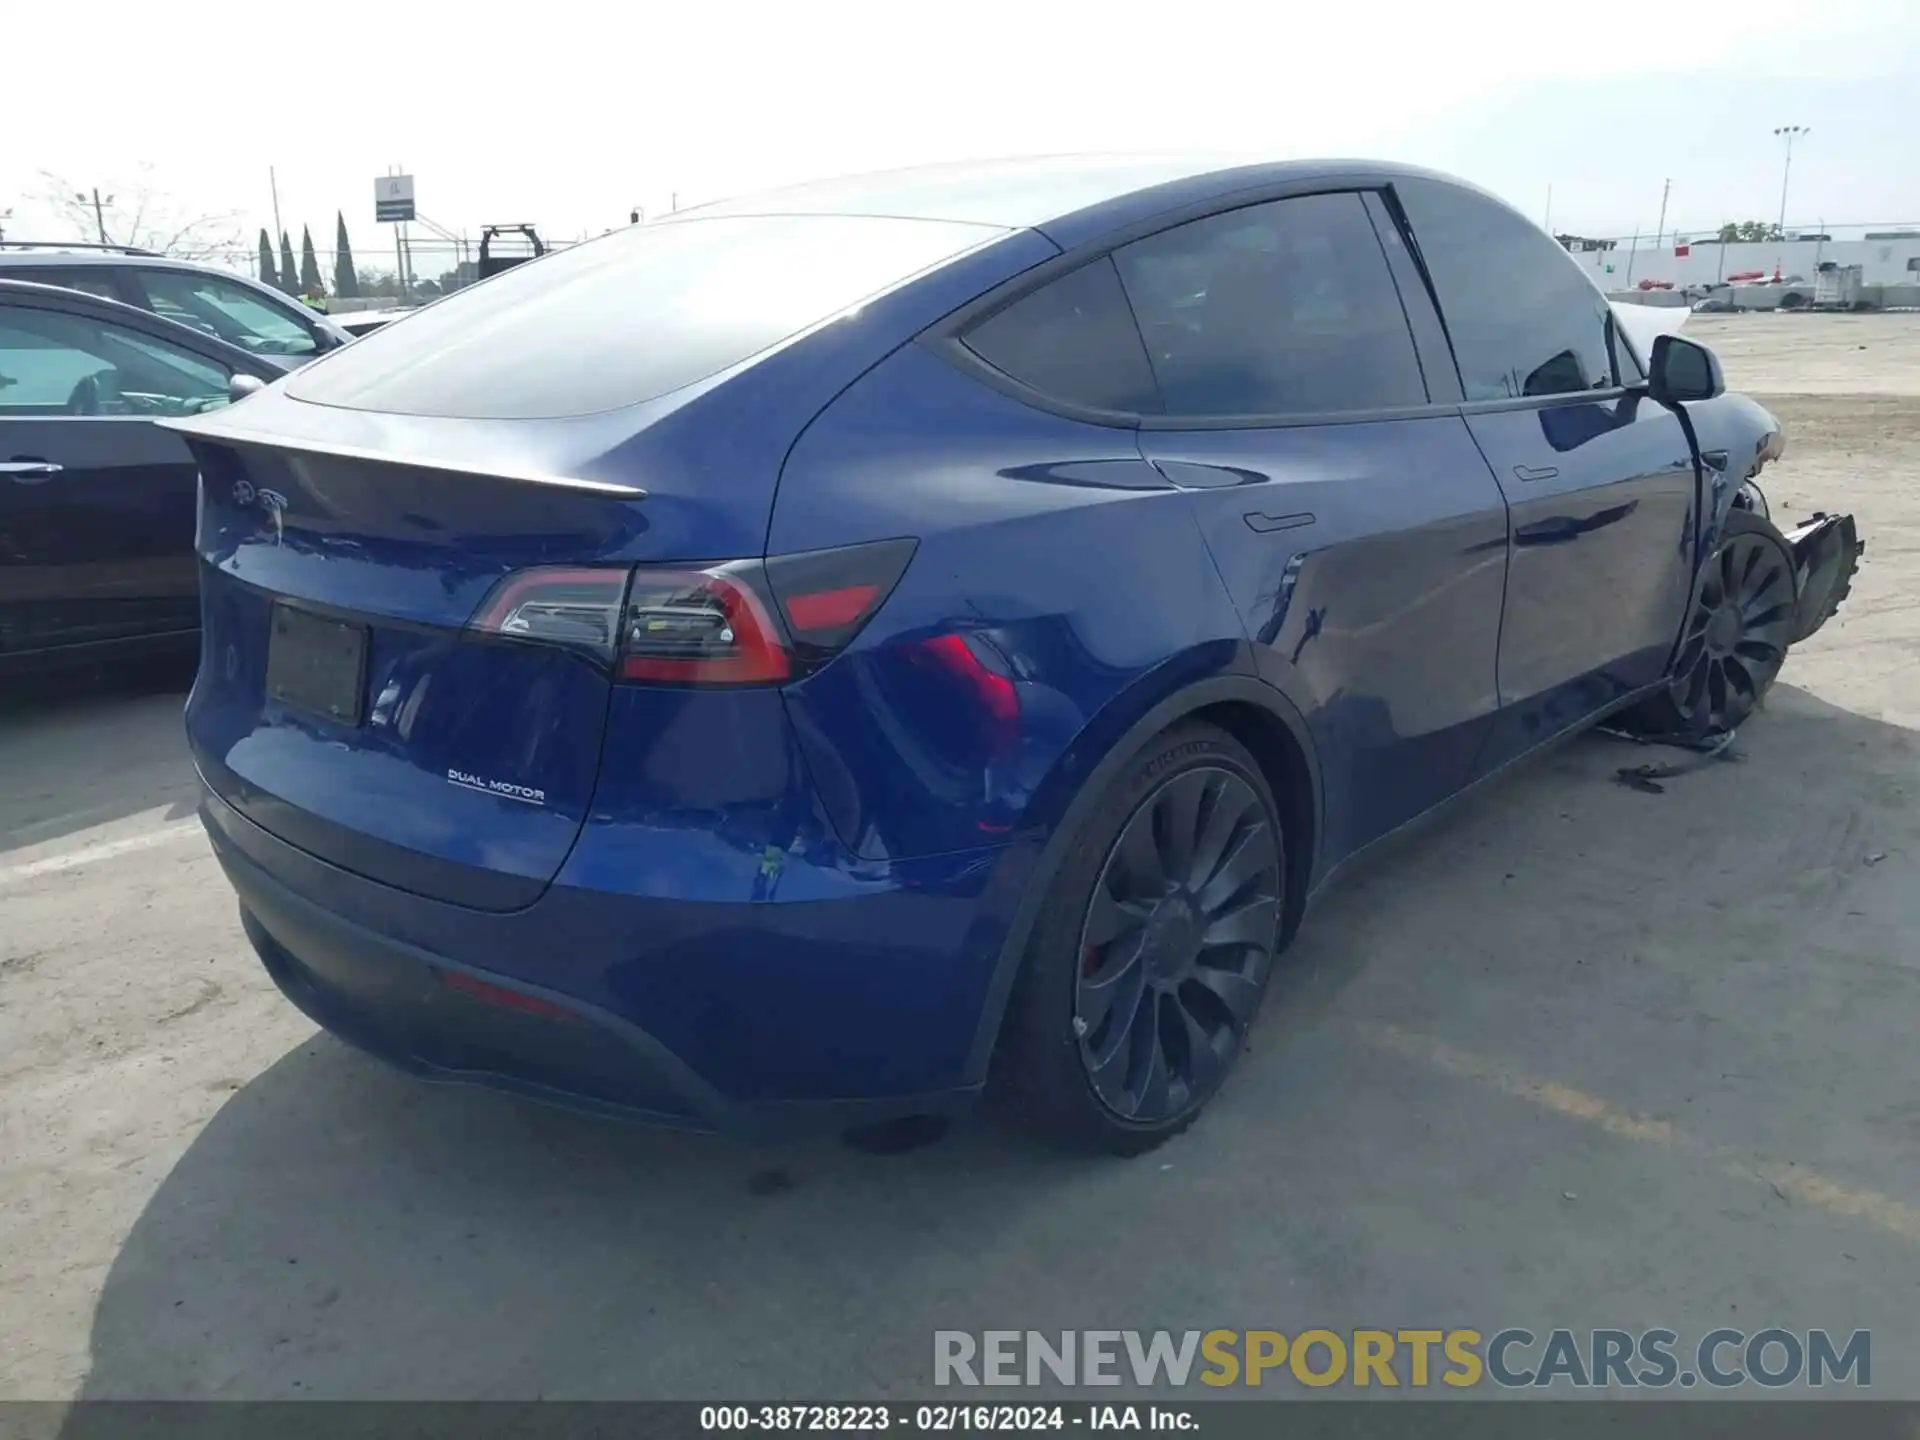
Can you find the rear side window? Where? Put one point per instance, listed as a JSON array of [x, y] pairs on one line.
[[1285, 308], [1524, 318], [628, 317], [93, 279], [227, 310], [1073, 340]]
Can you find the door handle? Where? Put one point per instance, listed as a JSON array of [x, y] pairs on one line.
[[28, 469], [1264, 524], [1527, 472]]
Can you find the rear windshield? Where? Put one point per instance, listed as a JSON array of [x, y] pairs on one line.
[[628, 317]]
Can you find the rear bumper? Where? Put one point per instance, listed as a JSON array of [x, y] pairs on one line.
[[716, 1042]]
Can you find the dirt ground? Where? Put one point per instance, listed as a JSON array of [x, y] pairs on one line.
[[1577, 1056]]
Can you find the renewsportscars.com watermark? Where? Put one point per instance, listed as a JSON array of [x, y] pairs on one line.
[[1509, 1359]]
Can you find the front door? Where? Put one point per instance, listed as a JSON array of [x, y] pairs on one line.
[[1600, 480]]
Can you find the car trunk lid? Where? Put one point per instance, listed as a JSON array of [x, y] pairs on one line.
[[342, 702]]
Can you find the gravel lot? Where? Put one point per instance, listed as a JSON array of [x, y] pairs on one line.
[[1578, 1056]]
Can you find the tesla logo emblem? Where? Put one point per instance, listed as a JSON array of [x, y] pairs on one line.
[[273, 502]]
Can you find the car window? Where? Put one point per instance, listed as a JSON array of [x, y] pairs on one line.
[[228, 310], [1627, 364], [629, 316], [1524, 318], [93, 279], [58, 364], [1074, 340], [1274, 309]]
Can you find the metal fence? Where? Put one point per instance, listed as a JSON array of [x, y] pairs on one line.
[[431, 264]]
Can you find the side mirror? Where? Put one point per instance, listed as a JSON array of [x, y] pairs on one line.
[[1681, 370], [241, 386]]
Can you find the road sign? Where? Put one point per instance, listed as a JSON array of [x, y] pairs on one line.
[[393, 197]]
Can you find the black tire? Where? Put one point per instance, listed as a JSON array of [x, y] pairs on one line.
[[1738, 627], [1171, 898]]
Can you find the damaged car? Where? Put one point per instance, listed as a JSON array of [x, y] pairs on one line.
[[815, 659]]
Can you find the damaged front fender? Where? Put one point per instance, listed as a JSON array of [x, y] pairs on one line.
[[1826, 552]]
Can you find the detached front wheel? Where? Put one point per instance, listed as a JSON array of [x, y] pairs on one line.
[[1736, 635], [1151, 958]]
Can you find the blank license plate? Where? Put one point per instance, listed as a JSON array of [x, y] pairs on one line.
[[316, 664]]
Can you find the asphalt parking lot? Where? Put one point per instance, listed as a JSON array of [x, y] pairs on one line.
[[1577, 1055]]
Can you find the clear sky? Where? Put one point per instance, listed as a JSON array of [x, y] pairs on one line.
[[569, 113]]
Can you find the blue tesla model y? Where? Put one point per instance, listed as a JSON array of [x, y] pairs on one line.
[[789, 665]]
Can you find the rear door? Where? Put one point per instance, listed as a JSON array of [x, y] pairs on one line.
[[96, 501], [1352, 517], [1601, 480]]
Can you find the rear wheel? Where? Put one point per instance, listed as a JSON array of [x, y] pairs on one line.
[[1151, 958], [1736, 634]]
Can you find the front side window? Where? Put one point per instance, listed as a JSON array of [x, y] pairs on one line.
[[228, 311], [1627, 364], [54, 364], [1524, 318], [1286, 308], [1073, 339]]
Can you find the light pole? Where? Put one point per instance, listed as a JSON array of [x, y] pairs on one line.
[[1788, 133], [99, 212]]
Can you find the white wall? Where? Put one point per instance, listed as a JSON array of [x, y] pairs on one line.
[[1882, 262]]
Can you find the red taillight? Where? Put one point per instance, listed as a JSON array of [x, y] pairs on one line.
[[828, 595], [700, 627], [717, 625], [557, 605], [830, 609]]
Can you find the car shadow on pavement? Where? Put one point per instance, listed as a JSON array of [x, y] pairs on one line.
[[339, 1230], [84, 747]]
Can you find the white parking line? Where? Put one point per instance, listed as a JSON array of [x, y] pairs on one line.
[[105, 850]]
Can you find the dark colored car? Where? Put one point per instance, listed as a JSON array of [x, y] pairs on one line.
[[96, 501], [774, 667], [244, 313]]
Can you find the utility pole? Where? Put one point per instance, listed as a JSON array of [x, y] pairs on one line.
[[273, 184], [99, 213], [1547, 223], [1660, 229], [1788, 133]]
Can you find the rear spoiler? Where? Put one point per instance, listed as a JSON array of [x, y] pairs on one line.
[[218, 425]]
